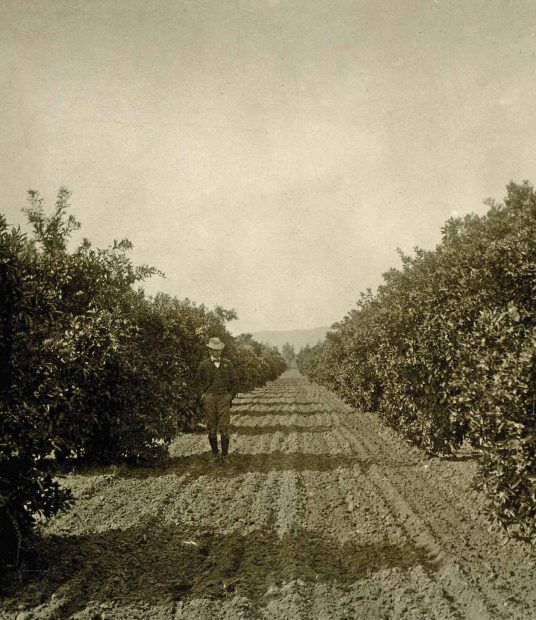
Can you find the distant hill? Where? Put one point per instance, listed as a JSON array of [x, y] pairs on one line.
[[297, 337]]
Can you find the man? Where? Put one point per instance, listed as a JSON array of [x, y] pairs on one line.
[[217, 383]]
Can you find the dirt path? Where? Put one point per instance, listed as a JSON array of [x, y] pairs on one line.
[[322, 513]]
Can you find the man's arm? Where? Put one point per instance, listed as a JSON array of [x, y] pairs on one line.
[[233, 380], [200, 378]]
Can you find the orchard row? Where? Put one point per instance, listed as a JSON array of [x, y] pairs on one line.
[[445, 350], [91, 369]]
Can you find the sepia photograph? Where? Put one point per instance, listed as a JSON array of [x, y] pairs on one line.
[[268, 310]]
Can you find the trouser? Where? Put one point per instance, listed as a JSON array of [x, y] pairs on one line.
[[217, 418]]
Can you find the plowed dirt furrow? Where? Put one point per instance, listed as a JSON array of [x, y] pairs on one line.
[[117, 497], [461, 542], [383, 440], [321, 512], [399, 521], [448, 520], [331, 499], [419, 523]]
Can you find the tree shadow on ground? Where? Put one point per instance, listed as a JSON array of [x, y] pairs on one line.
[[158, 563], [242, 463], [277, 428], [459, 458], [280, 412], [277, 402]]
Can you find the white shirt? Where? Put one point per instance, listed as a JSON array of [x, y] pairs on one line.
[[216, 361]]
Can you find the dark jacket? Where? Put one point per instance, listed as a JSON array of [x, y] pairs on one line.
[[206, 375]]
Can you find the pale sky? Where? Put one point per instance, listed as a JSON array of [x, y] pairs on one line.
[[267, 156]]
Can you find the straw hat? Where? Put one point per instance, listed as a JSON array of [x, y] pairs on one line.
[[215, 343]]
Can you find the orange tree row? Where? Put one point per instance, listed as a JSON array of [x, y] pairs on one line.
[[445, 350], [92, 370]]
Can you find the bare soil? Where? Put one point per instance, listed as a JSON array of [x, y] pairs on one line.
[[322, 512]]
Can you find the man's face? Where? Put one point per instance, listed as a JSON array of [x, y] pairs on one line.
[[215, 353]]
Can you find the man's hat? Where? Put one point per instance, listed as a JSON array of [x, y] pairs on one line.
[[215, 343]]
